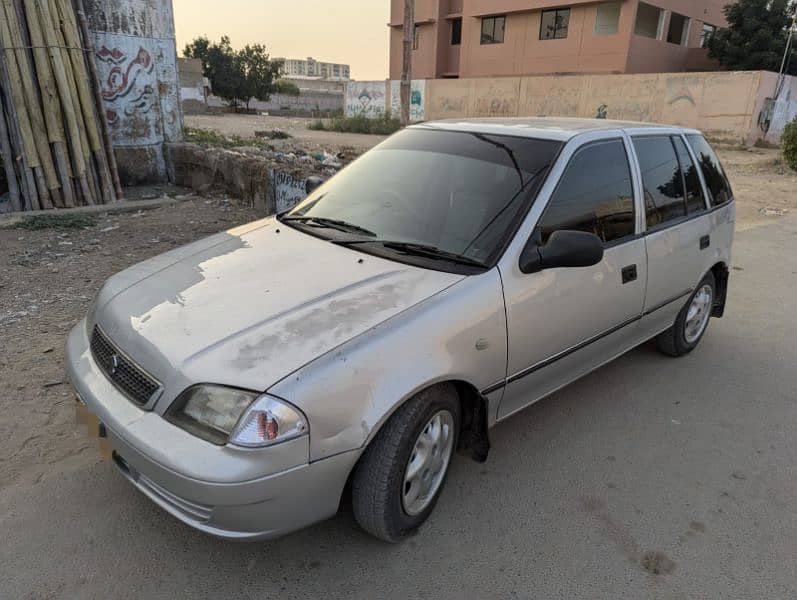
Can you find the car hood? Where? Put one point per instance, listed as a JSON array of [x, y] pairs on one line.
[[250, 306]]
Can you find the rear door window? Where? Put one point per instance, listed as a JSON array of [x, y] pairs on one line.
[[665, 198], [719, 189], [594, 195], [695, 202]]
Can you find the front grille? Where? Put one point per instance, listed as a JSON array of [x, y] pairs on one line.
[[123, 373]]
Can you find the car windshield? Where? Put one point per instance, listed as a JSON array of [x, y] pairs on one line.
[[431, 194]]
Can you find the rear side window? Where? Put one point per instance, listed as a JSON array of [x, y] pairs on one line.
[[719, 189], [594, 195], [663, 181], [695, 202]]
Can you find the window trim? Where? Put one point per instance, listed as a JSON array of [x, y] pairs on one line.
[[494, 18], [556, 12], [616, 242], [659, 27], [686, 30]]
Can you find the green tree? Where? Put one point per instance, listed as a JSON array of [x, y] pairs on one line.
[[755, 38], [236, 76], [287, 88]]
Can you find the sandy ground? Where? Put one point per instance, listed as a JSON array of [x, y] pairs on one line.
[[246, 125]]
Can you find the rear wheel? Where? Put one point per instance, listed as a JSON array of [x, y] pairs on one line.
[[692, 321], [399, 478]]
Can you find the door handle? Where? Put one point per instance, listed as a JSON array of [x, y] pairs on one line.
[[629, 274], [705, 242]]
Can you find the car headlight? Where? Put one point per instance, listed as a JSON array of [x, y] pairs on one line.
[[224, 415]]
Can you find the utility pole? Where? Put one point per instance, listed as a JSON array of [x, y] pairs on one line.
[[406, 70]]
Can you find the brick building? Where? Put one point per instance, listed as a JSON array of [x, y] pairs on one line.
[[488, 38]]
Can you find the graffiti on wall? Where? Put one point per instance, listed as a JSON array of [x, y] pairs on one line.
[[417, 100], [288, 190], [129, 89], [365, 98]]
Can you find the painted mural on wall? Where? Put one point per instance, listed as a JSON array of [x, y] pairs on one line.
[[417, 100], [365, 98], [288, 190], [139, 91]]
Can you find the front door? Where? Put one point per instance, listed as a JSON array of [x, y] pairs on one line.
[[562, 323]]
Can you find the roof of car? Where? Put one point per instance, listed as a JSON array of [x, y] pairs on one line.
[[558, 128]]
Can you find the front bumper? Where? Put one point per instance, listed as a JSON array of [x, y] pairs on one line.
[[228, 492]]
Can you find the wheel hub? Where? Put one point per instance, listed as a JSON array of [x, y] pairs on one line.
[[428, 463]]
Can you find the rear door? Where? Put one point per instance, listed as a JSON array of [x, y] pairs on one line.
[[564, 322], [678, 228]]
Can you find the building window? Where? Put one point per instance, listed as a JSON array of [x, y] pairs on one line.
[[493, 29], [608, 19], [416, 39], [679, 30], [705, 35], [456, 32], [554, 24], [648, 21]]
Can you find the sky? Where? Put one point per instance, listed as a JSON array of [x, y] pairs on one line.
[[354, 32]]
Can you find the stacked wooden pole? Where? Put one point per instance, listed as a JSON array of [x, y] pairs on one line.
[[54, 141]]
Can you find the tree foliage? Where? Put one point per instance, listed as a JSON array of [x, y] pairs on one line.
[[755, 38], [789, 142], [236, 76], [287, 88]]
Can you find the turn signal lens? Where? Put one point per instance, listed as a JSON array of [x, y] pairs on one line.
[[268, 421]]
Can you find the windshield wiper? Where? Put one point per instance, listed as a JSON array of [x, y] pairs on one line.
[[330, 224], [416, 249]]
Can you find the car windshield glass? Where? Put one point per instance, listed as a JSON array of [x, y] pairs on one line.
[[458, 192]]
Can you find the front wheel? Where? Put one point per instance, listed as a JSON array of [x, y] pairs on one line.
[[692, 321], [400, 475]]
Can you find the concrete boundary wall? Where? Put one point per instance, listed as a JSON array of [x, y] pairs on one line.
[[729, 106]]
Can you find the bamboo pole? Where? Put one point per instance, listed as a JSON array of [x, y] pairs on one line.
[[7, 154], [50, 103], [65, 94], [19, 114], [88, 47], [24, 72], [71, 36]]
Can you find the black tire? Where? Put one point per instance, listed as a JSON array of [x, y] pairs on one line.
[[379, 476], [673, 342]]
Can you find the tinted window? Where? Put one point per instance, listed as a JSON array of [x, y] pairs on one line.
[[719, 189], [695, 202], [459, 192], [456, 32], [554, 24], [493, 30], [595, 195], [662, 179]]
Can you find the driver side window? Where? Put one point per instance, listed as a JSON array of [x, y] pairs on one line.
[[594, 195]]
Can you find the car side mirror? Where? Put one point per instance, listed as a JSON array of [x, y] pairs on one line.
[[312, 184], [568, 249]]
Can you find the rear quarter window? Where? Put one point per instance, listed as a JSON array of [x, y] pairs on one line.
[[719, 188]]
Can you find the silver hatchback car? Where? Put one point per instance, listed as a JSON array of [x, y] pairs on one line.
[[447, 279]]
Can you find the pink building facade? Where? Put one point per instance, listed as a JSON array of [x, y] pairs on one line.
[[490, 38]]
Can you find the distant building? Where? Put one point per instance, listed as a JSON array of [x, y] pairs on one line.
[[194, 86], [488, 38], [311, 68]]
